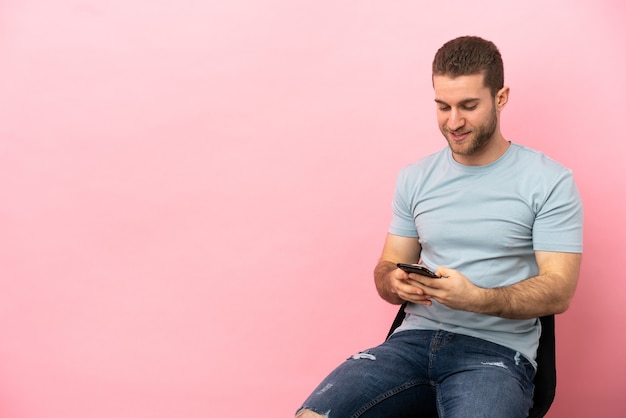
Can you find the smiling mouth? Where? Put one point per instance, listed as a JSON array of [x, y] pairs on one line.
[[458, 136]]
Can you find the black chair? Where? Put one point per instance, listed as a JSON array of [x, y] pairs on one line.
[[545, 379]]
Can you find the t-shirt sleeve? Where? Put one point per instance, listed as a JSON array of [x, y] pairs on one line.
[[402, 220], [559, 222]]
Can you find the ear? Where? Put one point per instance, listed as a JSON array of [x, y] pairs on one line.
[[502, 98]]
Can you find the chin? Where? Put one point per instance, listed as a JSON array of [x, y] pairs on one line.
[[461, 149]]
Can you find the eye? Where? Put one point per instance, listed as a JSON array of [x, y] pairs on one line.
[[471, 107], [444, 108]]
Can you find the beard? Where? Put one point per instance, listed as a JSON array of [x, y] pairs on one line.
[[481, 136]]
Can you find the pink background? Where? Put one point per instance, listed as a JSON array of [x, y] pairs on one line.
[[194, 193]]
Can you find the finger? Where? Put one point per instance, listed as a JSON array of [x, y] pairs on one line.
[[415, 295], [408, 288], [427, 283], [444, 271]]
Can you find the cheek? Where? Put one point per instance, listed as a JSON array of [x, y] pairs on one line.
[[487, 115], [441, 120], [477, 120]]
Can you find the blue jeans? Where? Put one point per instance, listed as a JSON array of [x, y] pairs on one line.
[[424, 373]]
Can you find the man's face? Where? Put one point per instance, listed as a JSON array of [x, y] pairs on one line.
[[466, 113]]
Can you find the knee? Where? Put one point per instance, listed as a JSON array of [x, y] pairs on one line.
[[307, 413]]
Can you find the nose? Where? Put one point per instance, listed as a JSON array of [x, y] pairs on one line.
[[455, 120]]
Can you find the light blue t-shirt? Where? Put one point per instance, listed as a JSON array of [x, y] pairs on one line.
[[486, 222]]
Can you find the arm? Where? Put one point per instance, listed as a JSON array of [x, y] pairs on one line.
[[550, 292], [393, 284]]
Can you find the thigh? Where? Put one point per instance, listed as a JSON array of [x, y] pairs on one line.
[[486, 381], [390, 380]]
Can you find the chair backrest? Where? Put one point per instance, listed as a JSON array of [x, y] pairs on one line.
[[545, 379]]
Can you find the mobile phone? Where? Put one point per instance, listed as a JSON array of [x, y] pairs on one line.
[[410, 268]]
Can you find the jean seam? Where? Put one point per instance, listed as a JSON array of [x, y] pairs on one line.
[[388, 395]]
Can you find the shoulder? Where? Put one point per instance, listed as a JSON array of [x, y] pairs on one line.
[[537, 160], [545, 182], [539, 170], [425, 165]]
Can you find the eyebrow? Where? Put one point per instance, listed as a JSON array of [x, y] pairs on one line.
[[461, 103]]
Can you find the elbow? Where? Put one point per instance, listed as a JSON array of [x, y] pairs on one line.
[[563, 304], [561, 308]]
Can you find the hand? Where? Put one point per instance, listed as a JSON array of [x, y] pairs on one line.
[[408, 288], [453, 290]]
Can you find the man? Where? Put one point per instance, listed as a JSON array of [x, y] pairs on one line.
[[501, 225]]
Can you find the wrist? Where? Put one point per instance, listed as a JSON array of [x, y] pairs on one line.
[[384, 282]]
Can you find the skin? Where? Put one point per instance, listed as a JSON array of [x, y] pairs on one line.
[[469, 118]]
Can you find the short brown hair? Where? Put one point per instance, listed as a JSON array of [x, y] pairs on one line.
[[469, 55]]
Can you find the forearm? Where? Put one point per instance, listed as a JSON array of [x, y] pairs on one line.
[[542, 295], [383, 285]]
